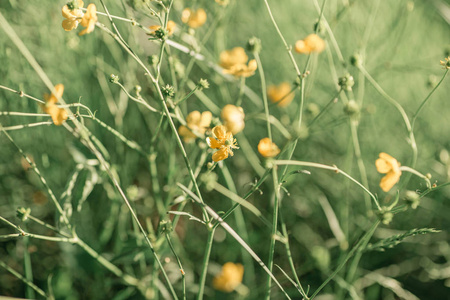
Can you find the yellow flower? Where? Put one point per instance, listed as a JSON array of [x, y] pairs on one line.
[[280, 94], [171, 26], [234, 62], [197, 123], [445, 63], [267, 148], [223, 2], [59, 115], [222, 140], [193, 18], [312, 43], [229, 278], [72, 17], [388, 165], [233, 118], [89, 19]]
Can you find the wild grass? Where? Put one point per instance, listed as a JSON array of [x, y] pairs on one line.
[[115, 202]]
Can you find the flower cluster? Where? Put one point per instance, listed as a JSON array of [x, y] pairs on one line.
[[197, 124], [59, 115], [229, 278], [74, 16], [222, 140], [311, 44], [234, 62], [193, 18], [280, 94], [388, 165]]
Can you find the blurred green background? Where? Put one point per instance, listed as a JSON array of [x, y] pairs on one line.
[[402, 52]]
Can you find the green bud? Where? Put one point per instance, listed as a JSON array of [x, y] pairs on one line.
[[352, 108], [319, 27], [385, 215], [412, 199], [165, 226], [356, 60], [346, 82], [114, 78], [254, 45], [23, 213], [203, 84], [168, 91]]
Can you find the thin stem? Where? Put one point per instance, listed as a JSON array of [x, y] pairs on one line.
[[326, 167], [276, 192], [264, 93], [205, 263], [417, 173], [23, 279], [414, 118], [183, 274], [241, 91]]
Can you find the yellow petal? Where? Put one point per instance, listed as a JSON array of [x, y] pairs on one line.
[[206, 119], [388, 181], [186, 133], [220, 132], [382, 166], [193, 118], [69, 24], [280, 94], [267, 148], [220, 154], [213, 143]]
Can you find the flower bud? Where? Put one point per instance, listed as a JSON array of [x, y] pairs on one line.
[[254, 45], [23, 213]]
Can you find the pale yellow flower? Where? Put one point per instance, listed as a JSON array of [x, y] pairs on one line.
[[171, 26], [388, 165], [229, 278], [72, 17], [234, 62], [59, 115], [89, 19], [281, 94], [312, 43], [267, 148], [233, 118], [193, 18], [223, 2], [197, 124], [222, 140]]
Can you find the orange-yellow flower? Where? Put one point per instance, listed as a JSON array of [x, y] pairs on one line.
[[234, 62], [229, 278], [222, 140], [233, 118], [312, 43], [193, 18], [59, 115], [280, 94], [267, 148], [72, 17], [171, 26], [388, 165], [89, 19], [197, 123]]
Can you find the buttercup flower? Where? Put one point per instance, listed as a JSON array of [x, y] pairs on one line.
[[233, 118], [312, 43], [267, 148], [59, 115], [229, 278], [193, 18], [72, 16], [89, 19], [388, 165], [171, 26], [196, 123], [234, 62], [222, 140], [280, 94]]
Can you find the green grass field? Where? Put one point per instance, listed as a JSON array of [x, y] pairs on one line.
[[103, 196]]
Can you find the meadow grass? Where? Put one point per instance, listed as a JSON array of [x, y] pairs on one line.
[[116, 188]]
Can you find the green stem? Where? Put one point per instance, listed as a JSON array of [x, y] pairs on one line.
[[209, 243], [23, 279], [276, 187], [264, 93], [183, 274]]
